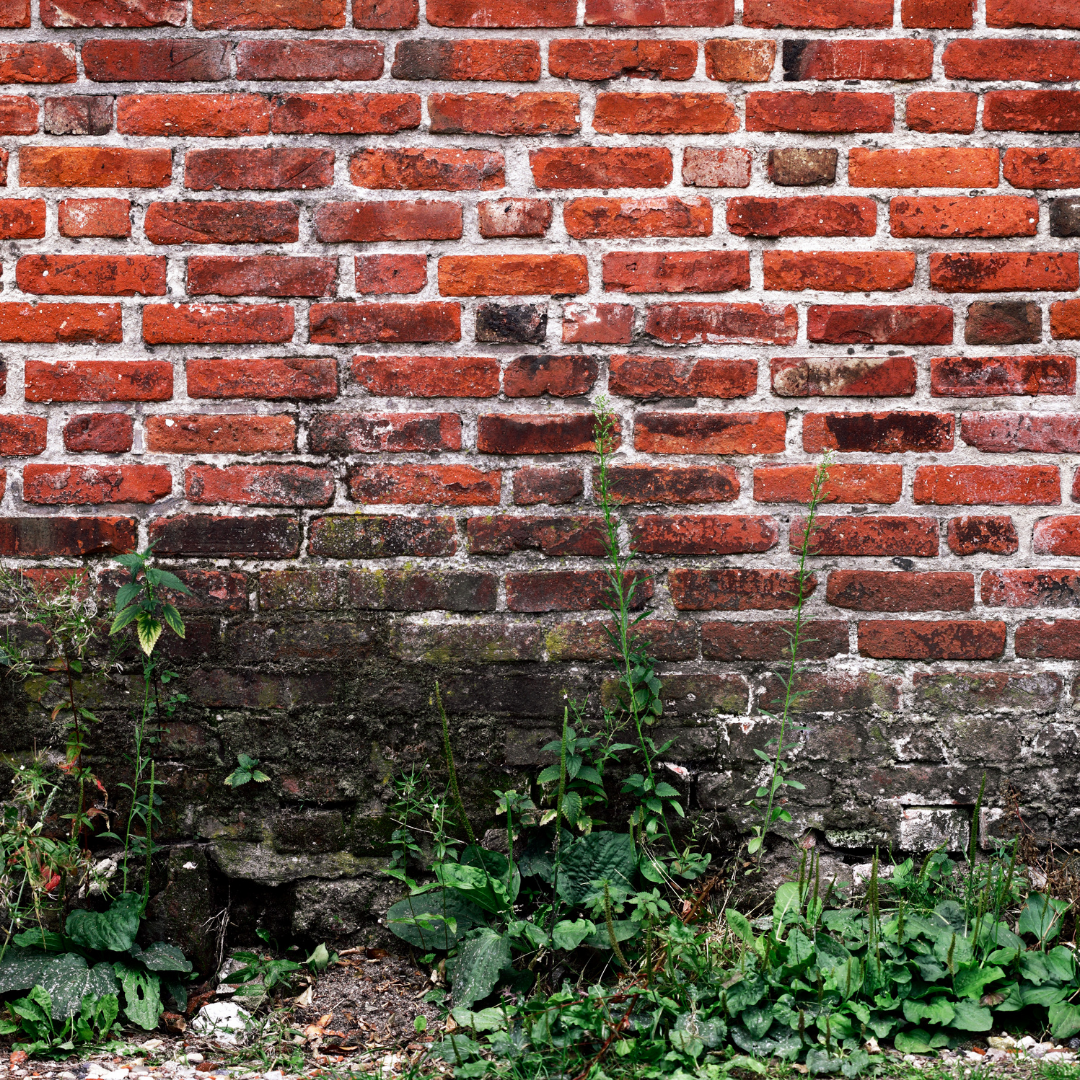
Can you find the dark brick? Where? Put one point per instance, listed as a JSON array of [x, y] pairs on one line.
[[210, 536], [410, 590], [511, 324], [376, 536], [1003, 322], [802, 168]]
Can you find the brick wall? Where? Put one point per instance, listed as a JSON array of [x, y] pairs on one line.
[[317, 298]]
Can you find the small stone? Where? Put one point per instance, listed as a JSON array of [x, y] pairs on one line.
[[193, 1059]]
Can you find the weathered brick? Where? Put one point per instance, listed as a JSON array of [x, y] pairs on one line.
[[126, 13], [737, 589], [347, 61], [818, 376], [663, 215], [879, 325], [213, 536], [837, 271], [1002, 271], [598, 59], [527, 433], [821, 112], [386, 14], [259, 485], [158, 60], [274, 379], [84, 217], [222, 434], [94, 166], [660, 377], [341, 434], [344, 114], [991, 376], [372, 222], [1031, 589], [386, 274], [37, 62], [993, 534], [1065, 217], [877, 534], [936, 112], [1003, 322], [818, 14], [703, 167], [339, 324], [178, 324], [409, 590], [22, 436], [991, 215], [503, 534], [102, 433], [511, 324], [659, 12], [815, 216], [222, 223], [428, 170], [19, 115], [547, 484], [703, 534], [730, 60], [597, 324], [1058, 639], [1031, 110], [710, 433], [1057, 535], [569, 590], [278, 15], [1008, 433], [1018, 61], [431, 485], [895, 59], [665, 639], [560, 376], [1043, 167], [938, 14], [676, 271], [260, 275], [599, 166], [513, 217], [477, 59], [99, 380], [659, 114], [987, 485], [1043, 14], [74, 537], [733, 641], [845, 484], [943, 639], [91, 275], [278, 168], [376, 536], [60, 322], [961, 167], [1065, 320], [22, 219], [874, 590], [514, 13], [642, 484], [80, 484], [878, 433], [512, 275], [206, 115], [427, 376], [712, 324]]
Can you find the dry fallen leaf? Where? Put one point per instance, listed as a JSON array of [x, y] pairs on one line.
[[307, 997]]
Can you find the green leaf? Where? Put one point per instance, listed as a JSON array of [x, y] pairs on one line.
[[48, 940], [937, 1010], [549, 775], [124, 618], [666, 791], [108, 931], [476, 971], [149, 630], [741, 925], [161, 957], [787, 902], [142, 996], [569, 935], [319, 960], [125, 594], [972, 1017], [913, 1041], [168, 580], [173, 620], [133, 561], [601, 854], [436, 919], [1064, 1020], [1060, 964], [1041, 917], [970, 980], [757, 1020]]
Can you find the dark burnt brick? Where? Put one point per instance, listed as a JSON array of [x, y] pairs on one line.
[[570, 590], [925, 639], [1003, 322], [410, 590], [1057, 639], [797, 167], [211, 536], [219, 591], [75, 537], [878, 433], [992, 376], [736, 589], [1031, 588], [1065, 217], [732, 641], [297, 644], [993, 534], [663, 638], [832, 692], [870, 535], [560, 376], [78, 114], [529, 433], [511, 324], [547, 484], [885, 590], [975, 692], [503, 534], [156, 60], [105, 433], [251, 689], [304, 590], [476, 642], [671, 484], [377, 536]]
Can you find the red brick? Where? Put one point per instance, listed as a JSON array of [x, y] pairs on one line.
[[512, 13], [598, 59], [1003, 322], [878, 432], [1030, 60], [878, 325], [222, 223], [89, 217], [1005, 271], [232, 433], [92, 13], [74, 537], [83, 484], [431, 485], [703, 167], [637, 484], [22, 219], [710, 433], [732, 641], [22, 436], [597, 324], [893, 59], [992, 376], [386, 14], [1030, 588], [428, 170], [1057, 535], [993, 534], [405, 590], [1056, 640], [875, 590], [348, 61], [273, 379], [93, 166], [371, 222], [943, 639], [946, 167], [513, 217], [818, 14], [660, 377], [383, 274], [528, 433], [736, 589], [845, 483], [1065, 320], [569, 590], [67, 323], [547, 484], [37, 62], [210, 536], [734, 60], [158, 60], [341, 434], [91, 275], [703, 534], [512, 275], [676, 271], [272, 15], [664, 114], [934, 112], [990, 215], [662, 215], [821, 112], [842, 376], [427, 376], [837, 271], [596, 166], [101, 433], [1044, 167], [214, 115], [1009, 433], [938, 14], [1043, 14], [712, 324], [259, 485], [237, 324], [554, 536], [260, 275], [1031, 110], [277, 168], [659, 12], [99, 380], [478, 59], [814, 216], [340, 324], [987, 485], [344, 114], [560, 376], [879, 535], [18, 115]]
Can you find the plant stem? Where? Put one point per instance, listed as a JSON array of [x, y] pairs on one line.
[[448, 752]]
